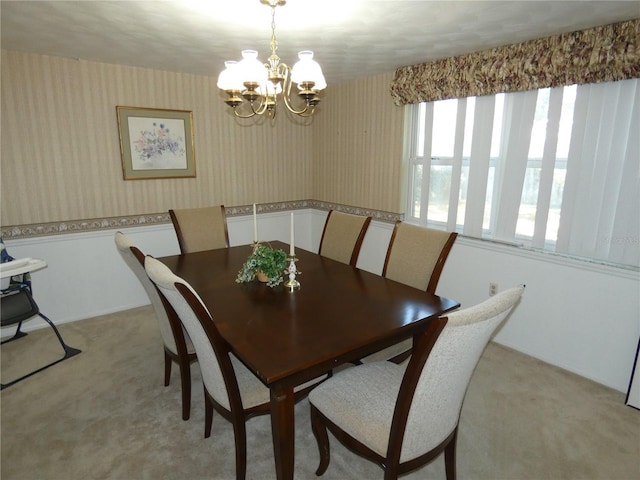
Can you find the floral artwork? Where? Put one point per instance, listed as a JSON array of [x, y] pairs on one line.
[[157, 144]]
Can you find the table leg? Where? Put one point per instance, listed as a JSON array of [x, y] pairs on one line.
[[282, 430]]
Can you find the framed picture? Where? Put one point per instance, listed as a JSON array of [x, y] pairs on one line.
[[156, 143]]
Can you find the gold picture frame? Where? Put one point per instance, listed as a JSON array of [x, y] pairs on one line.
[[156, 143]]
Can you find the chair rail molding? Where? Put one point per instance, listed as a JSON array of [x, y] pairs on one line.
[[12, 232]]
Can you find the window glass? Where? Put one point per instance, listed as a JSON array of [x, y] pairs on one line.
[[557, 189], [468, 126], [420, 126], [552, 191], [528, 203], [566, 121], [539, 129], [439, 191], [416, 189], [444, 130], [488, 204], [496, 138]]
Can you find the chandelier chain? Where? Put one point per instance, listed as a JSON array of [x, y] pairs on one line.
[[274, 42], [265, 84]]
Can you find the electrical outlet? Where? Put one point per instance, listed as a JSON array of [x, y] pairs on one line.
[[493, 289]]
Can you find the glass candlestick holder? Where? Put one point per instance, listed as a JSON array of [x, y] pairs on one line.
[[292, 284]]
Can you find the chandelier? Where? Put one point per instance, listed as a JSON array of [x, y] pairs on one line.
[[254, 88]]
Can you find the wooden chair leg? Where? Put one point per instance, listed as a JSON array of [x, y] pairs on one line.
[[185, 380], [167, 368], [390, 474], [450, 457], [208, 414], [320, 432], [240, 436]]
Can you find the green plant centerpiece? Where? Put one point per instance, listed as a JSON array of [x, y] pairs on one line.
[[265, 263]]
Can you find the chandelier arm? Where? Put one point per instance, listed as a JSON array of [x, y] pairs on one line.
[[307, 112], [286, 94], [287, 103], [254, 111], [310, 113], [239, 115], [261, 109]]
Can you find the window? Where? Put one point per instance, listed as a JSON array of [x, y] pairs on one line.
[[555, 169]]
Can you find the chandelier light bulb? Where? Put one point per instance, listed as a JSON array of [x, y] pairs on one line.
[[229, 79], [308, 70], [250, 68]]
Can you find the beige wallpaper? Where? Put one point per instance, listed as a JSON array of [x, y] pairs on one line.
[[358, 145], [60, 156]]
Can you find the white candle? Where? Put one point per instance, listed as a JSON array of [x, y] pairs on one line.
[[255, 225], [292, 251]]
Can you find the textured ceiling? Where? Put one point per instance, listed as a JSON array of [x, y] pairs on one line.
[[350, 38]]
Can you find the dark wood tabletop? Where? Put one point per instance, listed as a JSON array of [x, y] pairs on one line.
[[339, 314]]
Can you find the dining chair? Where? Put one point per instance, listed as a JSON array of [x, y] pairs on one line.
[[416, 256], [342, 236], [403, 416], [178, 347], [229, 387], [200, 229]]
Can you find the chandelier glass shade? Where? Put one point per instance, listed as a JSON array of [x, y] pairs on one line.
[[255, 88]]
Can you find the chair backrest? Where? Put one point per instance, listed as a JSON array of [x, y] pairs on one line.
[[416, 255], [436, 379], [200, 229], [213, 354], [342, 236], [134, 258]]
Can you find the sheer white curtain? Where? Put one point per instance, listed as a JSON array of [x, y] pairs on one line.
[[554, 169]]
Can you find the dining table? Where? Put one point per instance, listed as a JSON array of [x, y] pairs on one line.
[[286, 337]]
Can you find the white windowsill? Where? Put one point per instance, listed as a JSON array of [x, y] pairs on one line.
[[557, 258]]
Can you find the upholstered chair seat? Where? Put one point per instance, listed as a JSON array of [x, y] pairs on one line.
[[375, 385], [403, 416]]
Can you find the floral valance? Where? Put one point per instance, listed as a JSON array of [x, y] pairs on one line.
[[601, 54]]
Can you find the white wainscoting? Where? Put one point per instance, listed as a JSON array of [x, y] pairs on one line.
[[581, 317]]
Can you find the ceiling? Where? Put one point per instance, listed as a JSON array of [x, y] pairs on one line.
[[350, 38]]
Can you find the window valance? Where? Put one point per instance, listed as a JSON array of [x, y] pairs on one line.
[[600, 54]]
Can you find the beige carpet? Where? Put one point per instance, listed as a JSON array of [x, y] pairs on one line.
[[105, 414]]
